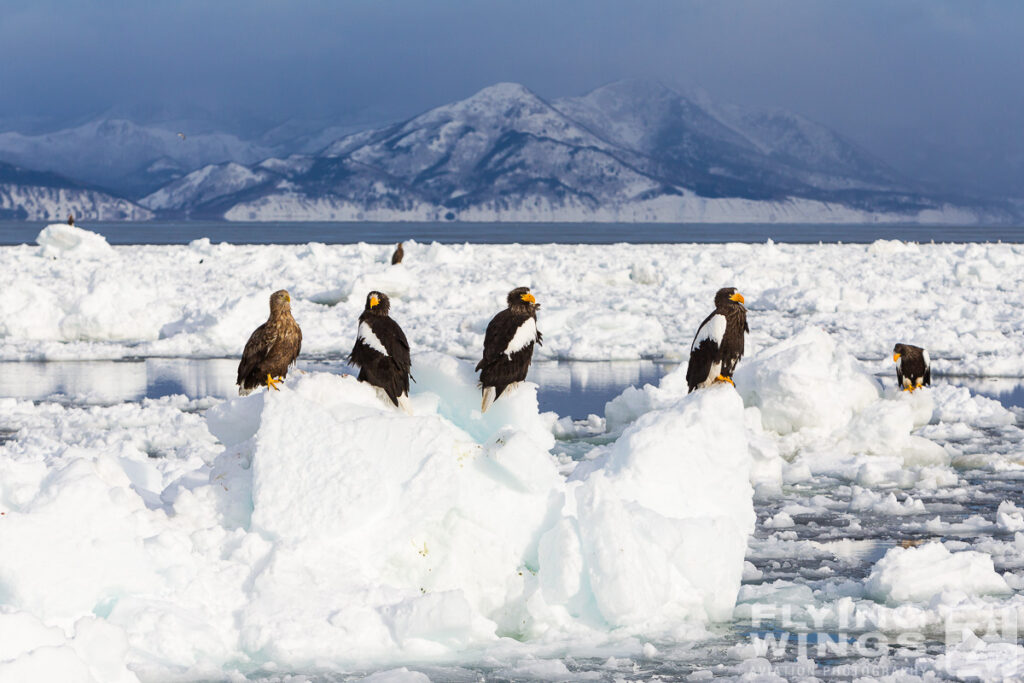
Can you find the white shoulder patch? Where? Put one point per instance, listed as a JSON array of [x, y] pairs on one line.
[[370, 339], [713, 329], [927, 360], [526, 334]]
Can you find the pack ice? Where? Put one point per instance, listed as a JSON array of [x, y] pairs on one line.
[[317, 528], [75, 297]]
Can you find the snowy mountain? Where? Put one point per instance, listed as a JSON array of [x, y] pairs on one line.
[[41, 196], [630, 151], [131, 158]]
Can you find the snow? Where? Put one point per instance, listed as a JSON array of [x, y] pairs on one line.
[[317, 526], [43, 203], [61, 239], [318, 529], [919, 574], [205, 299]]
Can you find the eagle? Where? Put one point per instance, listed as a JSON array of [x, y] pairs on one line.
[[381, 351], [508, 345], [718, 344], [71, 219], [399, 254], [913, 366], [272, 347]]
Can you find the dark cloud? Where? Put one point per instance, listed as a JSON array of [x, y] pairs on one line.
[[933, 86]]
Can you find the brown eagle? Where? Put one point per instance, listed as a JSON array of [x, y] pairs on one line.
[[272, 347], [399, 254], [718, 344]]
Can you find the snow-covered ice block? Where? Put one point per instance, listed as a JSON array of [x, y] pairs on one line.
[[805, 382], [657, 526], [61, 239], [819, 398], [919, 574], [1009, 517], [390, 530], [453, 383], [96, 652]]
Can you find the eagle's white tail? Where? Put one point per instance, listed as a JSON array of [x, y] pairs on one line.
[[405, 404], [488, 399]]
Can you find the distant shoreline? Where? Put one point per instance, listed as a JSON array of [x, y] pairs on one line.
[[457, 232]]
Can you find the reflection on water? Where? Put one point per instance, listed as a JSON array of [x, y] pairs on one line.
[[567, 388], [106, 382], [1007, 390], [576, 389]]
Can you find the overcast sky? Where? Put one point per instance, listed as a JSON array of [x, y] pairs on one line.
[[934, 87]]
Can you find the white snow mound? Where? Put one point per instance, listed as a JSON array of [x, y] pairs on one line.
[[63, 239], [656, 527], [822, 400], [319, 527], [919, 574]]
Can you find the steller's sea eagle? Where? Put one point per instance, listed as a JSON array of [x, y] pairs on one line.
[[718, 344], [913, 366], [508, 345], [381, 351]]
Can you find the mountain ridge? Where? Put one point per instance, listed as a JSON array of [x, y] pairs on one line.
[[631, 150]]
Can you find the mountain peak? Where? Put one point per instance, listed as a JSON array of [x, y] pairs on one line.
[[503, 90]]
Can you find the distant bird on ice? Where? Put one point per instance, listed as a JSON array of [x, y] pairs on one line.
[[71, 219], [508, 346], [399, 254], [913, 366], [382, 352], [718, 344], [181, 135], [272, 347]]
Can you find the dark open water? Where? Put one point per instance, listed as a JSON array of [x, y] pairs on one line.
[[181, 232], [575, 389]]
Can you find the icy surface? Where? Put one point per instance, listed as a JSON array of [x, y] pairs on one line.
[[919, 574], [599, 302], [319, 528]]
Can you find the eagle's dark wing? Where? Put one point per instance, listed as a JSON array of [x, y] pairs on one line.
[[393, 338], [705, 350], [732, 342], [382, 353], [256, 349], [497, 368]]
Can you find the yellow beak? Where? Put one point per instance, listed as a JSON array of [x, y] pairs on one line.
[[287, 297], [528, 297], [895, 358], [737, 297], [374, 301]]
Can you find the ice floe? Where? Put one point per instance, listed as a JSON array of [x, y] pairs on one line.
[[317, 527], [600, 302]]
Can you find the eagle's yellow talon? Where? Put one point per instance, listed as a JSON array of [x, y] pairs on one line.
[[272, 383], [723, 378]]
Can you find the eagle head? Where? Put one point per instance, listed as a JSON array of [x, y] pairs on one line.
[[728, 296], [280, 301], [377, 303], [520, 297]]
